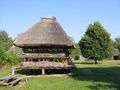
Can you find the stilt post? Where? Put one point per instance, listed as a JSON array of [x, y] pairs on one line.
[[13, 71], [43, 71]]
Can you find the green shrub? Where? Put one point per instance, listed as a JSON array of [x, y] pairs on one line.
[[13, 59], [2, 56]]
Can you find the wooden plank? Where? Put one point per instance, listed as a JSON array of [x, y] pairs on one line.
[[43, 64], [45, 55], [2, 82], [43, 67], [14, 82], [8, 78]]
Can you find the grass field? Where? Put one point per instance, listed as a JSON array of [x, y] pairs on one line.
[[102, 76]]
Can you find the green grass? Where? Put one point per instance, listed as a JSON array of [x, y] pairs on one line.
[[105, 76]]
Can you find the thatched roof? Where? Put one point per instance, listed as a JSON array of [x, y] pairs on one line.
[[46, 33]]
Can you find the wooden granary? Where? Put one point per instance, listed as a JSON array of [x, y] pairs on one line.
[[45, 46]]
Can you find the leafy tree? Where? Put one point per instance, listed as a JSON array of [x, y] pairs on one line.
[[5, 40], [3, 57], [111, 50], [7, 56], [76, 51], [12, 58], [96, 42], [117, 43]]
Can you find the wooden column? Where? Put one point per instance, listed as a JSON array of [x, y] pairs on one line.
[[13, 71], [43, 71]]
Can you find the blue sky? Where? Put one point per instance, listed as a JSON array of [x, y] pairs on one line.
[[17, 16]]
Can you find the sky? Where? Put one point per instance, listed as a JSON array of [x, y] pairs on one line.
[[17, 16]]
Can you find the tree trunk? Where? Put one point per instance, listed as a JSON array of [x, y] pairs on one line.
[[96, 61]]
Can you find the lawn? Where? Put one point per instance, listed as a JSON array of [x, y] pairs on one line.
[[102, 76]]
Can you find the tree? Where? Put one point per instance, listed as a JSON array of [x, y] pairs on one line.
[[111, 50], [5, 40], [96, 42], [2, 55], [7, 56], [117, 43], [76, 51]]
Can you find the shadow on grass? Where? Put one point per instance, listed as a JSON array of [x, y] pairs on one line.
[[103, 77], [103, 87], [39, 71], [87, 62]]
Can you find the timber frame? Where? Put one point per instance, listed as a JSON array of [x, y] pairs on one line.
[[44, 58]]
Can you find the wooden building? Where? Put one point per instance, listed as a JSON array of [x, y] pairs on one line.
[[45, 46], [116, 55]]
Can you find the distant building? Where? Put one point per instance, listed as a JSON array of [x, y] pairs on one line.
[[116, 55], [80, 57]]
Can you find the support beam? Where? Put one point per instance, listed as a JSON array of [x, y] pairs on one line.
[[43, 71], [13, 71]]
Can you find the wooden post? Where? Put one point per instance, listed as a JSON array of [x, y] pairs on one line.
[[43, 71], [13, 71]]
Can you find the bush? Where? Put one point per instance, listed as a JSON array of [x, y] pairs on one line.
[[13, 59], [2, 56], [8, 58]]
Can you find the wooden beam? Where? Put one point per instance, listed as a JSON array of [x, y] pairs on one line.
[[14, 82], [8, 78], [43, 71], [44, 55], [13, 71]]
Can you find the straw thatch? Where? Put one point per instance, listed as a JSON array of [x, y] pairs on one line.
[[45, 33]]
